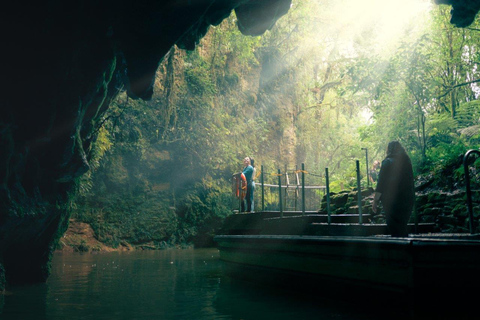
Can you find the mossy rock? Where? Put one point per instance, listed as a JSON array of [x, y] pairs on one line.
[[454, 229], [353, 210], [339, 200], [448, 220], [462, 229], [421, 199], [436, 197], [367, 192], [332, 208], [425, 206], [379, 218], [460, 195], [459, 209], [427, 218], [435, 211]]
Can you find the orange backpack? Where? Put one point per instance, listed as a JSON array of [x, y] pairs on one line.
[[240, 185]]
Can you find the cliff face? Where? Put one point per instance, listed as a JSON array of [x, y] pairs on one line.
[[65, 62]]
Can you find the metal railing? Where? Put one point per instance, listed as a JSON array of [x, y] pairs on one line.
[[284, 193], [280, 197], [296, 197]]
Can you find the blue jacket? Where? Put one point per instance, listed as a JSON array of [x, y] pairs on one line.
[[248, 172]]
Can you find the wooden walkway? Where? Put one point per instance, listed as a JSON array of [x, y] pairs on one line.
[[294, 223]]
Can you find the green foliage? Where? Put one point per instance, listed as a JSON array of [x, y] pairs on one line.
[[197, 76], [305, 92]]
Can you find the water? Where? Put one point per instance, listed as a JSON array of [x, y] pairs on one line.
[[169, 284]]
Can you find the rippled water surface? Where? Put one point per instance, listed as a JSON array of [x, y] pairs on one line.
[[169, 284]]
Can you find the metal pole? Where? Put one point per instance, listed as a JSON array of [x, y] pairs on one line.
[[366, 163], [303, 188], [327, 185], [287, 183], [359, 193], [296, 187], [469, 191], [263, 188], [280, 192]]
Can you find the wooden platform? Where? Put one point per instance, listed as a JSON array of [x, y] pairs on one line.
[[293, 223], [306, 251]]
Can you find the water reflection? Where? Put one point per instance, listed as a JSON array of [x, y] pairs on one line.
[[139, 285], [25, 302], [171, 284]]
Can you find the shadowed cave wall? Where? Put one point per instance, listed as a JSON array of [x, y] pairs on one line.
[[63, 64]]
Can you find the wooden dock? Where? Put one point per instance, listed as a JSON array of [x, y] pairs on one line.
[[344, 256], [294, 223]]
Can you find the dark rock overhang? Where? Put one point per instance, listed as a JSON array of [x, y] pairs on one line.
[[149, 29], [463, 11], [63, 64], [66, 59]]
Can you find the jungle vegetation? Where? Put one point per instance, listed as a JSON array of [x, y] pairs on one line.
[[331, 78]]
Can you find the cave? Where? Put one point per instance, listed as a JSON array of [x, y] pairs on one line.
[[63, 65]]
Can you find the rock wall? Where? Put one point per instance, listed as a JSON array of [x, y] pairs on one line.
[[64, 63], [447, 210]]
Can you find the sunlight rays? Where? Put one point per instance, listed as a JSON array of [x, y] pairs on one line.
[[383, 22]]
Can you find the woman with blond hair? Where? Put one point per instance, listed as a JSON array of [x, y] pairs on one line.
[[248, 172]]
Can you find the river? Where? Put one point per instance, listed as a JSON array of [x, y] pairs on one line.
[[167, 284]]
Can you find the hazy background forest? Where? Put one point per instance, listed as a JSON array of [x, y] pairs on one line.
[[332, 77]]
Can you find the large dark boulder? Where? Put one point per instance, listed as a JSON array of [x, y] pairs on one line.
[[63, 63]]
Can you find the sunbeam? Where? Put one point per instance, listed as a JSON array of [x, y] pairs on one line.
[[385, 22]]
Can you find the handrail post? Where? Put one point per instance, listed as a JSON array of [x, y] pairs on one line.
[[287, 183], [296, 188], [263, 188], [327, 185], [359, 193], [469, 191], [303, 189], [280, 192]]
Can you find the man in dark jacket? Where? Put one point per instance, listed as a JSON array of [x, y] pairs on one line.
[[395, 189]]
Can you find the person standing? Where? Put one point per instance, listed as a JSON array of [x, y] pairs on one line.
[[395, 189], [248, 172], [374, 172]]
